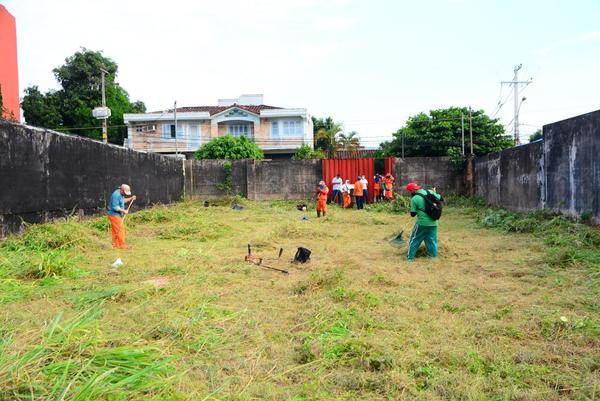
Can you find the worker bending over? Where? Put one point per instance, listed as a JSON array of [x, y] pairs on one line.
[[322, 192], [116, 212], [426, 205]]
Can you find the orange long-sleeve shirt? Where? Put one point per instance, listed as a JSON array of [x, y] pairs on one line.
[[358, 188]]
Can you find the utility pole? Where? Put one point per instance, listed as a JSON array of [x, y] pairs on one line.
[[470, 173], [103, 112], [462, 130], [471, 130], [515, 84], [403, 146], [175, 118], [104, 127]]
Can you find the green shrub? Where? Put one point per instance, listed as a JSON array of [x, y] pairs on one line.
[[306, 152], [230, 148]]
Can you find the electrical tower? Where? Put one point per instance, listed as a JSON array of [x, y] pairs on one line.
[[515, 84]]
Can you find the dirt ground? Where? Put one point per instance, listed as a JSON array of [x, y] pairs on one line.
[[486, 320]]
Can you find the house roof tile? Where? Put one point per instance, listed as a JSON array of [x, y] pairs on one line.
[[218, 109]]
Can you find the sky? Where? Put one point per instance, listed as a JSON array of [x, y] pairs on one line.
[[369, 64]]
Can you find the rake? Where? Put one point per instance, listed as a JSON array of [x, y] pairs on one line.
[[398, 240]]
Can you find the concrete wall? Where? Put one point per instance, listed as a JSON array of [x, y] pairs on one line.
[[44, 174], [254, 179], [572, 165], [429, 172], [283, 179], [512, 178], [561, 172]]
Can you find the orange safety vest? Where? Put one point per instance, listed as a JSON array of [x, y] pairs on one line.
[[323, 193], [358, 188]]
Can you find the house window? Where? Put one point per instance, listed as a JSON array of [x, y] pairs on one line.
[[238, 130], [194, 136], [168, 131], [292, 128], [274, 128]]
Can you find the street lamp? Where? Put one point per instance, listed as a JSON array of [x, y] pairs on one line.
[[517, 136]]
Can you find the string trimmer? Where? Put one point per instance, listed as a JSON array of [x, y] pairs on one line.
[[259, 261]]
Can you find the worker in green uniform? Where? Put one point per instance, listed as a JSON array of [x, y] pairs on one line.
[[425, 229]]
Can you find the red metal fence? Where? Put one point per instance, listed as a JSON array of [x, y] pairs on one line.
[[350, 169]]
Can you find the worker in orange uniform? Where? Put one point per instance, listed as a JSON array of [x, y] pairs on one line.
[[346, 189], [116, 212], [358, 193], [377, 181], [322, 192], [388, 185]]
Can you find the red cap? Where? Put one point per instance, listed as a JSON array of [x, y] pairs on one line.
[[412, 186]]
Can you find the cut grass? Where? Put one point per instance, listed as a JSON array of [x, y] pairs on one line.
[[498, 316]]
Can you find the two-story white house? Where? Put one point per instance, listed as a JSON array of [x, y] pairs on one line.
[[277, 131]]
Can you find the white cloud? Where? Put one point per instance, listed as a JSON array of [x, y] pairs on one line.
[[573, 40], [594, 35], [335, 22]]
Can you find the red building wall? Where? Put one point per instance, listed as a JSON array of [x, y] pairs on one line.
[[9, 75]]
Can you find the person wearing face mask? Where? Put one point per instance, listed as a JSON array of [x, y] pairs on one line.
[[322, 192], [346, 194]]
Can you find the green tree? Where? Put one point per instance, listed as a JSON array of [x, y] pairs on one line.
[[305, 152], [536, 135], [71, 106], [350, 141], [320, 124], [41, 110], [439, 134], [329, 138], [230, 148]]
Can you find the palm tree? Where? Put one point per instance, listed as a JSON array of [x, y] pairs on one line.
[[351, 141], [330, 137]]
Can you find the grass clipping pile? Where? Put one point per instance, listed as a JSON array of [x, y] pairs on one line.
[[505, 313]]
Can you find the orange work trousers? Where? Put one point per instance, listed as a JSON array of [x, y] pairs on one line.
[[118, 231], [322, 205], [347, 200]]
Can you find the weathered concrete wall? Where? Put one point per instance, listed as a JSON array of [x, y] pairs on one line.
[[254, 179], [44, 174], [561, 172], [203, 176], [512, 178], [283, 179], [572, 165], [429, 172]]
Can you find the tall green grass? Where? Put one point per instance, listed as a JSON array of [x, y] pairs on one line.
[[569, 242], [45, 250], [74, 361], [400, 204]]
